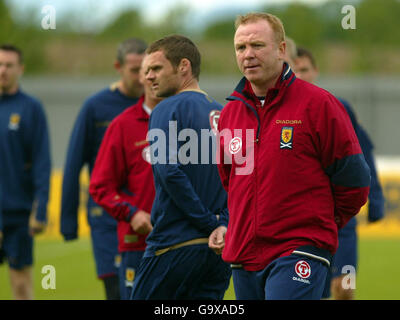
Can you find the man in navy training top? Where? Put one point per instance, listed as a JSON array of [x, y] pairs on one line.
[[346, 254], [190, 202], [25, 167], [95, 116]]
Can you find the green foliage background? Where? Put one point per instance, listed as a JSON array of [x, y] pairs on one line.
[[372, 48]]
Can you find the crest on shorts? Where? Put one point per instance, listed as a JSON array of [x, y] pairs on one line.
[[287, 138], [15, 119], [130, 274]]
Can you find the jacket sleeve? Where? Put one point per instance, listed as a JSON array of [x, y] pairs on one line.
[[41, 163], [109, 176], [77, 156], [172, 177], [342, 159]]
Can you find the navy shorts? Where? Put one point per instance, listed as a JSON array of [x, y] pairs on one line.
[[130, 262], [291, 277], [192, 272], [17, 246], [346, 255], [105, 249]]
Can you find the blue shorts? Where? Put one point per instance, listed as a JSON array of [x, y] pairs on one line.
[[105, 249], [130, 262], [346, 255], [192, 272], [293, 277], [17, 246]]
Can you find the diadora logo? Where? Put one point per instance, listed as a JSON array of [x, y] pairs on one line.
[[235, 145], [302, 269]]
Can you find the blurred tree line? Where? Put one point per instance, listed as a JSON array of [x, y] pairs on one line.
[[373, 47]]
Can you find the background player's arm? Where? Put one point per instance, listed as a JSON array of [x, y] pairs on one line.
[[108, 179], [77, 155], [342, 160], [41, 170]]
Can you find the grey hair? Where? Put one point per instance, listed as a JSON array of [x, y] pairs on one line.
[[132, 45]]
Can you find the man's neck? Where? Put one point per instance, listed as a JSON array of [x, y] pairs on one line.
[[121, 87], [10, 90], [189, 85]]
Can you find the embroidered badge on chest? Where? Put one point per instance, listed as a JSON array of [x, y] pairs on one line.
[[15, 119], [287, 138]]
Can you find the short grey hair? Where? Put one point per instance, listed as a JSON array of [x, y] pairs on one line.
[[132, 45]]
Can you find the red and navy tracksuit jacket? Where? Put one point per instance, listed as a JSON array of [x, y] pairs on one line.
[[306, 176], [122, 179]]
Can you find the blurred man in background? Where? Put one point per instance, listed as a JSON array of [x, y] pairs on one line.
[[95, 116], [25, 167], [122, 182], [347, 253]]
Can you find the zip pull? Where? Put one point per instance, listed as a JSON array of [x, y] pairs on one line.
[[257, 140]]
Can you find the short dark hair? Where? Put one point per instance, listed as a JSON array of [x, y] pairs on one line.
[[12, 48], [176, 48], [302, 52], [132, 45]]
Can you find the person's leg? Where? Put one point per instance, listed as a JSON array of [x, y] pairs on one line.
[[295, 278], [105, 250], [246, 285], [22, 283], [345, 262], [129, 265], [18, 249], [214, 278], [170, 276]]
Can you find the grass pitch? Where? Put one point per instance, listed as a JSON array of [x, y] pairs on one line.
[[76, 276]]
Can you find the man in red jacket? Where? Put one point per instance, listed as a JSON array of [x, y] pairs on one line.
[[293, 169], [122, 182]]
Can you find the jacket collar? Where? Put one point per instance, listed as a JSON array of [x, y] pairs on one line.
[[286, 78], [140, 113]]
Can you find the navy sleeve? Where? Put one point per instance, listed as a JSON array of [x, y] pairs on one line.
[[1, 208], [77, 156], [376, 200], [41, 163], [172, 176]]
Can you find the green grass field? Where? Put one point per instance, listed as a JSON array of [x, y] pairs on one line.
[[75, 271]]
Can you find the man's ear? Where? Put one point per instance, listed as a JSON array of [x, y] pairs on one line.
[[282, 50], [117, 65], [184, 66]]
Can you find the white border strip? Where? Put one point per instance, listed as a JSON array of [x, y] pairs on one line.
[[313, 256]]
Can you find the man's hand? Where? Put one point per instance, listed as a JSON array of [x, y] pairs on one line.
[[216, 240], [36, 227], [140, 222]]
